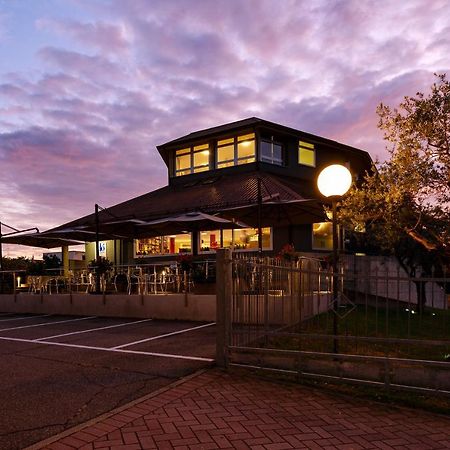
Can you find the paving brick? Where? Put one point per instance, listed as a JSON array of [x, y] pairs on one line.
[[218, 410]]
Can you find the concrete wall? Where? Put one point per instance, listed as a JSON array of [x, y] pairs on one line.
[[383, 276], [170, 306]]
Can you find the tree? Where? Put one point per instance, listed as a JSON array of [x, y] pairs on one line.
[[404, 203]]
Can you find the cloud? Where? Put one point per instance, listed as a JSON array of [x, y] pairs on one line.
[[107, 38], [113, 79]]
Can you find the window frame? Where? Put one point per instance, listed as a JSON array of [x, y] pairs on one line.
[[209, 252], [159, 255], [192, 150], [237, 160], [309, 146], [272, 142], [312, 238]]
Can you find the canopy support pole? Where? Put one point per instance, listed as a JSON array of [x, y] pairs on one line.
[[97, 251], [259, 216], [1, 253], [65, 260]]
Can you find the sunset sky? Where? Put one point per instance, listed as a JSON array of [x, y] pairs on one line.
[[88, 88]]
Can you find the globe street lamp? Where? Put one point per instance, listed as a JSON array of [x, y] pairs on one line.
[[333, 182]]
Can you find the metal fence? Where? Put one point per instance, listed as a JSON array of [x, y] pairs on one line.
[[383, 327], [160, 277]]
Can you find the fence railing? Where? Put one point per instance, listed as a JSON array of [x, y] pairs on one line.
[[161, 277], [383, 328]]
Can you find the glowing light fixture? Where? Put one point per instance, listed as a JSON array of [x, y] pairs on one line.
[[334, 180]]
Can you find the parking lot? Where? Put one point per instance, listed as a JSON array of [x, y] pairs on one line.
[[58, 371]]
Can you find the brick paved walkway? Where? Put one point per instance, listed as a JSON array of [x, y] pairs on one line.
[[218, 410]]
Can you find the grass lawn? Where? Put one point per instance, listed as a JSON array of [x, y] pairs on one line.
[[368, 321]]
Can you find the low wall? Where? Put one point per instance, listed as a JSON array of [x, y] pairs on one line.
[[169, 306], [280, 309]]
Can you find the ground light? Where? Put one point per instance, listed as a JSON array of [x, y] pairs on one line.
[[333, 182]]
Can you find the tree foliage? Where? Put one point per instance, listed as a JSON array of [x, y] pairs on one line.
[[404, 203]]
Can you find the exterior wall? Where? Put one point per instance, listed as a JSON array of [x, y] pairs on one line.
[[388, 279], [327, 153], [113, 249], [168, 307]]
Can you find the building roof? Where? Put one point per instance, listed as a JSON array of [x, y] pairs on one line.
[[210, 195], [249, 123]]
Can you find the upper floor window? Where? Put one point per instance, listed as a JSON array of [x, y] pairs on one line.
[[192, 160], [236, 151], [306, 154], [271, 151]]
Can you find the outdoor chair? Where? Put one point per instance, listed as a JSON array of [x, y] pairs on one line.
[[85, 281], [55, 284], [135, 278], [36, 285], [186, 282]]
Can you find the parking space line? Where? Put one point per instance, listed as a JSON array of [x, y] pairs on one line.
[[24, 318], [46, 323], [105, 349], [93, 329], [162, 336]]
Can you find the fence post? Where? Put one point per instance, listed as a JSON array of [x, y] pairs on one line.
[[224, 292]]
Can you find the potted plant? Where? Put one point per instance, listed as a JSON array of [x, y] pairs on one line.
[[101, 265], [185, 262], [287, 253]]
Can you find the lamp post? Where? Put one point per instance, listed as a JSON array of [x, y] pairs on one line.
[[333, 182]]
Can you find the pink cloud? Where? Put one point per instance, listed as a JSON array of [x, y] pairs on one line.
[[117, 78]]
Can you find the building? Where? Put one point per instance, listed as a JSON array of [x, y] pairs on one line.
[[254, 171]]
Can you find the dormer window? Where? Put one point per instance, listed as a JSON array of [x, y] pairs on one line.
[[271, 151], [236, 151], [192, 160], [306, 154]]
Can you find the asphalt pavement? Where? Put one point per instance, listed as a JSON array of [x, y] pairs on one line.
[[59, 371]]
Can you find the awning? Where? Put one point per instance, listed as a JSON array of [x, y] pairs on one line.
[[192, 221], [81, 234], [38, 240], [278, 212]]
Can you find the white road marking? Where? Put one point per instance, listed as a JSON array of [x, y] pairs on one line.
[[162, 336], [47, 323], [103, 349], [24, 318], [92, 329]]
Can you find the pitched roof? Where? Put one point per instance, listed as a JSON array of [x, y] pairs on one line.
[[209, 195], [251, 122]]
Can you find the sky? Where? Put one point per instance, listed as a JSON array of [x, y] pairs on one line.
[[88, 88]]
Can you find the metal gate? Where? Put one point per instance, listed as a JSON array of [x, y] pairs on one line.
[[280, 315]]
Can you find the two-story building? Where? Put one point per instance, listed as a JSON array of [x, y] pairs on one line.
[[254, 171]]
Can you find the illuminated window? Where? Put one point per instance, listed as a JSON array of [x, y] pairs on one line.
[[240, 239], [209, 240], [163, 245], [306, 154], [271, 152], [227, 238], [236, 151], [192, 160], [247, 239], [322, 238]]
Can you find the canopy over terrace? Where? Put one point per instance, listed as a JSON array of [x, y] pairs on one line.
[[212, 195], [39, 240]]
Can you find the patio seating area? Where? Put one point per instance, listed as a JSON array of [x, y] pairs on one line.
[[147, 279]]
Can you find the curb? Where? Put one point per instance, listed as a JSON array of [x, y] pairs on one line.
[[42, 444]]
